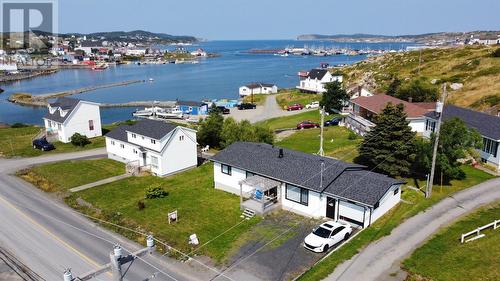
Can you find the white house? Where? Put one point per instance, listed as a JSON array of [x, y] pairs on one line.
[[314, 81], [268, 178], [362, 110], [161, 147], [67, 116], [487, 125], [258, 88]]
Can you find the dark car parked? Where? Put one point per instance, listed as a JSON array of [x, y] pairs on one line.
[[244, 106], [221, 109], [332, 122], [43, 144], [307, 125]]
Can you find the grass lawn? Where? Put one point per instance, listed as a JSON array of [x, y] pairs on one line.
[[336, 142], [256, 99], [17, 142], [392, 219], [291, 121], [202, 210], [288, 97], [61, 176], [445, 258]]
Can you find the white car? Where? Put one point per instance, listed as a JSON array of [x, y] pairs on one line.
[[327, 235], [314, 104]]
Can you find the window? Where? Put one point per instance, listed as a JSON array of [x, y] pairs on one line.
[[134, 136], [59, 127], [297, 194], [91, 125], [181, 138], [153, 141], [249, 174], [135, 151], [376, 205], [122, 145], [337, 230], [430, 125], [490, 146], [225, 169], [112, 142], [154, 161], [396, 191]]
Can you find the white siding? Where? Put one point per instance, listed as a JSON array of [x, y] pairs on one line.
[[417, 125], [125, 154], [180, 153], [228, 183], [315, 208], [387, 202], [146, 141]]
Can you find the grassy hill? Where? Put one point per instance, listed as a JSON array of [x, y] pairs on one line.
[[473, 66]]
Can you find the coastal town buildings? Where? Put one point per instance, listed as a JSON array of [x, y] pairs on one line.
[[268, 178], [314, 81], [67, 116], [361, 111], [160, 147], [193, 107], [487, 125], [258, 88]]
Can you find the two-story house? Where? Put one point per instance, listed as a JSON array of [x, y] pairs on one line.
[[487, 125], [67, 116], [161, 147], [314, 81]]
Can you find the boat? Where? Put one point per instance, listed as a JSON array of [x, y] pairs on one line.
[[171, 113], [102, 66], [151, 80], [148, 112]]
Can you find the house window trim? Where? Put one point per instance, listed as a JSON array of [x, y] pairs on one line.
[[396, 191], [229, 169], [302, 191], [153, 141], [490, 147], [91, 125]]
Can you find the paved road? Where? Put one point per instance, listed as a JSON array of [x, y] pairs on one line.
[[270, 109], [376, 261], [48, 236]]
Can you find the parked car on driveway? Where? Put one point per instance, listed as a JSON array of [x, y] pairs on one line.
[[314, 104], [221, 109], [243, 106], [296, 106], [332, 122], [307, 125], [42, 144], [327, 235]]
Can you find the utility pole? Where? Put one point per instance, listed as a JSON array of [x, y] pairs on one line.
[[439, 111], [321, 152], [116, 261]]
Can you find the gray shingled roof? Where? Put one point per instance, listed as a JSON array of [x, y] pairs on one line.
[[303, 169], [487, 125], [256, 85], [191, 103], [151, 128], [64, 103], [317, 73], [119, 133]]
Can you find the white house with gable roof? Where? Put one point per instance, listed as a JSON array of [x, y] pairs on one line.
[[67, 116], [314, 81], [161, 147]]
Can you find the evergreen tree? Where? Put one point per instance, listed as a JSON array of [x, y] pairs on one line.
[[390, 145], [334, 98], [393, 87]]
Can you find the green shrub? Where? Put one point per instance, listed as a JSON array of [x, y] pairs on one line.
[[79, 140], [19, 125], [496, 53], [155, 191], [141, 205], [352, 136]]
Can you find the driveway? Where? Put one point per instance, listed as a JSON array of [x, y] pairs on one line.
[[47, 236], [380, 259], [270, 109]]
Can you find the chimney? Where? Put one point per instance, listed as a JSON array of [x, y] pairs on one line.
[[280, 155]]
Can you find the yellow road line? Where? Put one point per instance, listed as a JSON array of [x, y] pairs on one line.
[[83, 256]]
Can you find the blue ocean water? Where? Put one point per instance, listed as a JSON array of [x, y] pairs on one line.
[[212, 78]]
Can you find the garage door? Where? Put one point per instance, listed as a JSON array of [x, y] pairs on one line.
[[351, 213]]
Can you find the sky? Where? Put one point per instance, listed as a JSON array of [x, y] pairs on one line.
[[277, 19]]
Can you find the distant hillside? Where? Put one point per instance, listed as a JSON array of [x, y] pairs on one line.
[[140, 34], [417, 38], [474, 67]]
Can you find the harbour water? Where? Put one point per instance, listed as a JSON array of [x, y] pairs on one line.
[[212, 78]]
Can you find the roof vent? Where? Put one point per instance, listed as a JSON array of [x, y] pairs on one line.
[[280, 155]]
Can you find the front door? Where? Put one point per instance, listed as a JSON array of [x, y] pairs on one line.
[[144, 159], [330, 207]]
